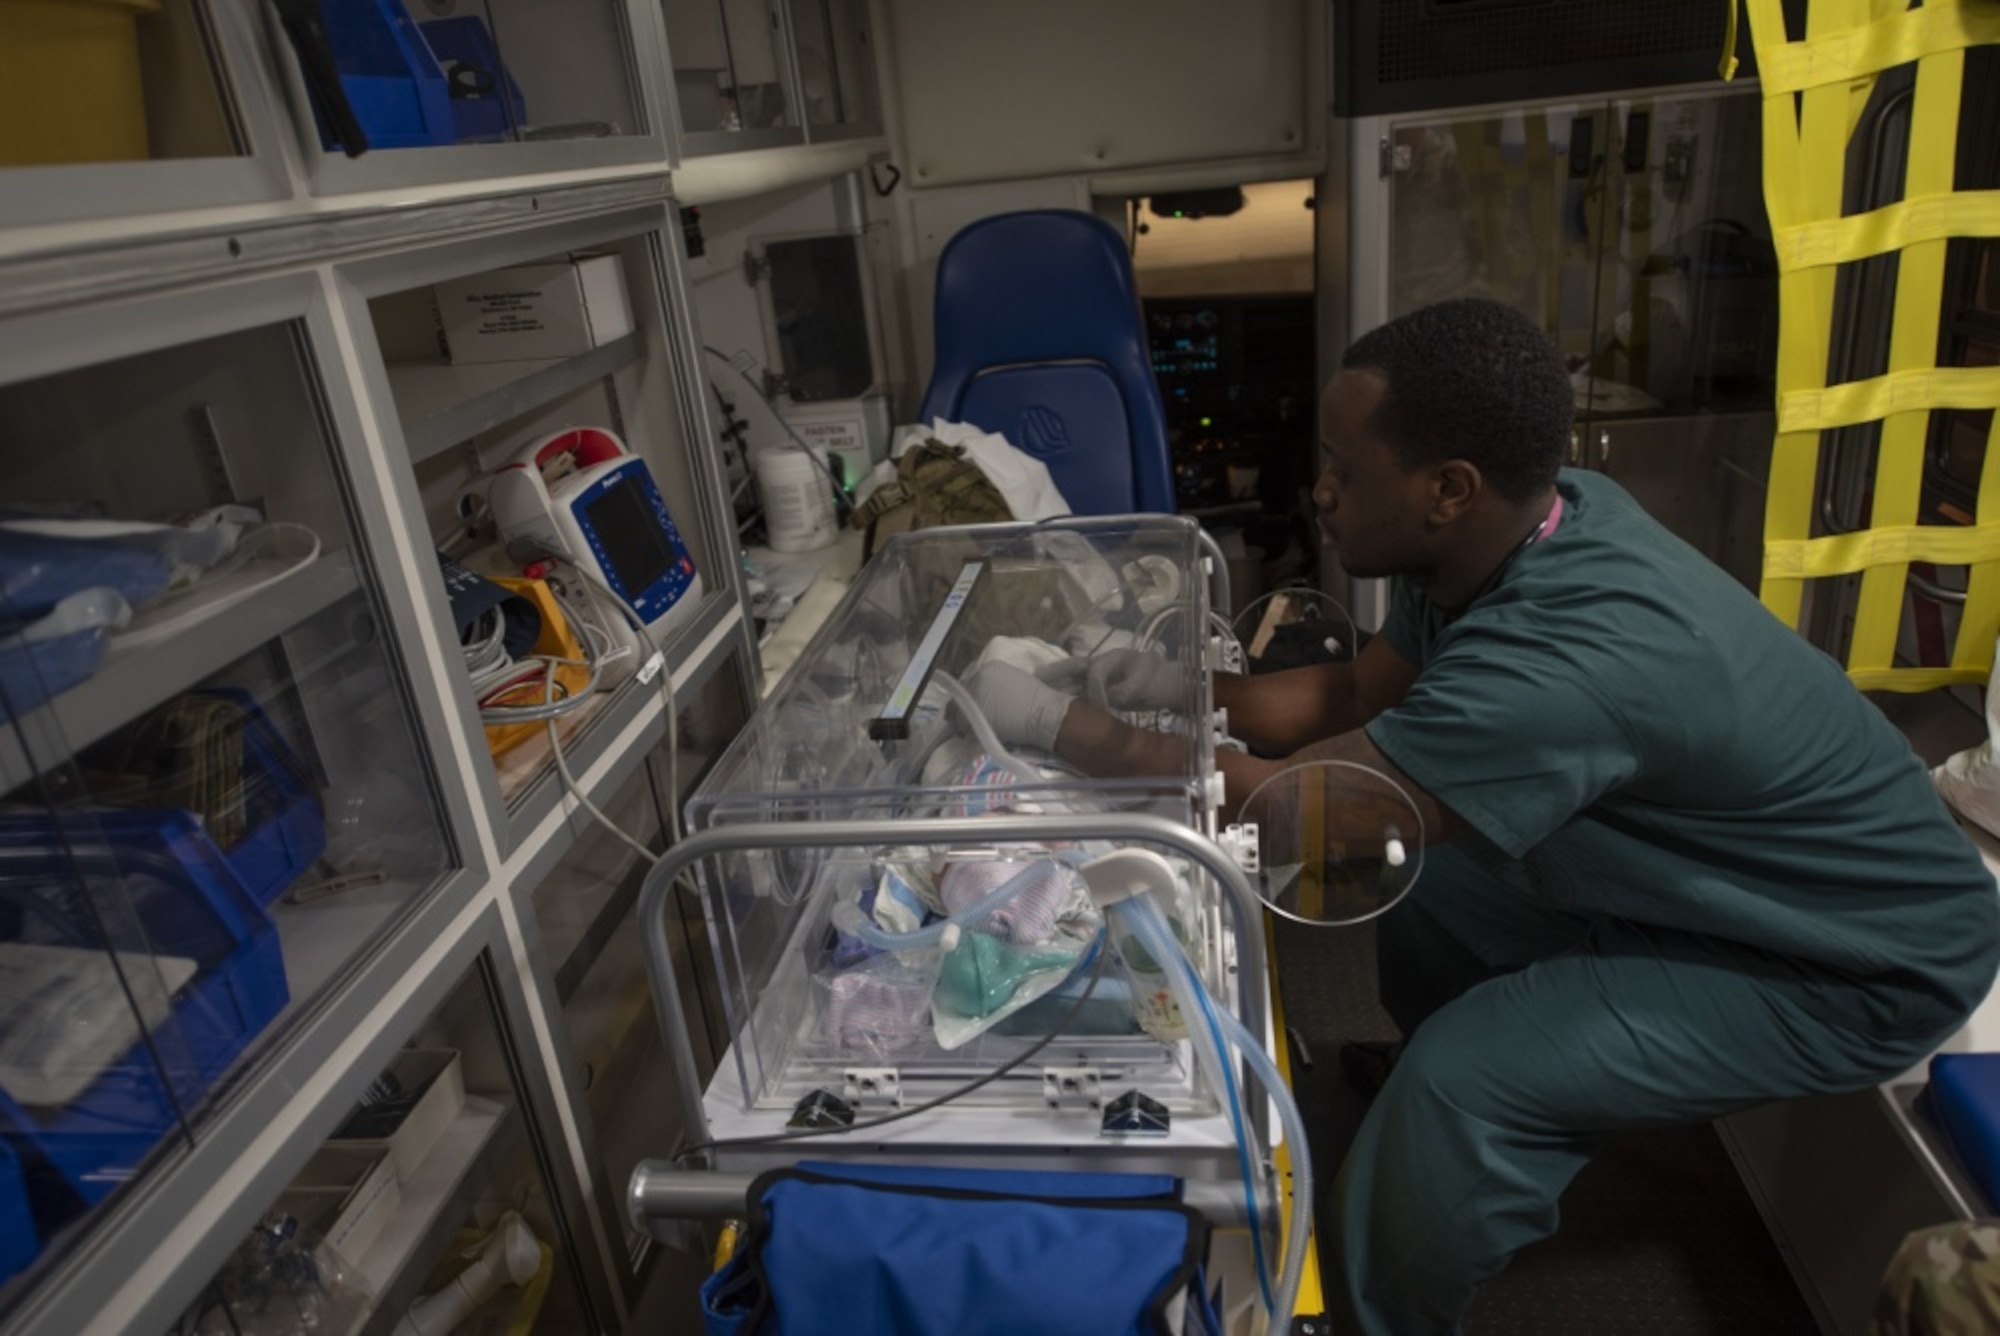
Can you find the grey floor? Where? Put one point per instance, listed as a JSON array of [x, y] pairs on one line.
[[1658, 1235]]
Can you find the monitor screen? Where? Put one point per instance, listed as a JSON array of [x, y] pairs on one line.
[[629, 537]]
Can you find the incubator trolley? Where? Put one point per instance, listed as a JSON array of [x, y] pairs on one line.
[[902, 910]]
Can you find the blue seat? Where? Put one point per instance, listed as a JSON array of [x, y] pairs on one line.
[[1964, 1097], [1040, 338]]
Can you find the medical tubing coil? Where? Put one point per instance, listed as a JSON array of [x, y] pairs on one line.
[[1291, 1269], [1149, 926], [1154, 934], [988, 739]]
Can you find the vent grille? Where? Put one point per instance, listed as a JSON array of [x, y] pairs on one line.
[[1440, 39], [1413, 55]]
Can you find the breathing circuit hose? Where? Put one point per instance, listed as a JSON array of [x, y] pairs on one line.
[[1143, 916], [988, 739]]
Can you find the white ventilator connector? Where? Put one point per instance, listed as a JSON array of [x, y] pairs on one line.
[[1127, 872], [510, 1255], [1240, 843]]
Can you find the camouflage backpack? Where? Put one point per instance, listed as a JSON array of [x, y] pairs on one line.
[[935, 485]]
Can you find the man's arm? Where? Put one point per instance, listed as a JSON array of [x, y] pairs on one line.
[[1356, 810], [1278, 713]]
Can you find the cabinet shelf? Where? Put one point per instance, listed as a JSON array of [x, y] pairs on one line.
[[130, 682], [435, 1202], [442, 404]]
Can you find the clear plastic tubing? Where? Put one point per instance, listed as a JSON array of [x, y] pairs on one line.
[[848, 918], [988, 739], [1153, 934]]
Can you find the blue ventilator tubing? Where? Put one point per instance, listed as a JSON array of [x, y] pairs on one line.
[[1190, 996], [1151, 929], [988, 739]]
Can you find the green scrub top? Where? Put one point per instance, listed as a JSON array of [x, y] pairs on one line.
[[1631, 734]]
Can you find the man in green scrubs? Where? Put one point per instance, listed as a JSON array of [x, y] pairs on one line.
[[1676, 864]]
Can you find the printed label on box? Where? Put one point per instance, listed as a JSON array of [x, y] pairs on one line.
[[535, 311]]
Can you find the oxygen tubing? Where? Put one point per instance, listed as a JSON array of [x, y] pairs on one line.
[[1143, 917], [988, 739], [1291, 1269], [1151, 928]]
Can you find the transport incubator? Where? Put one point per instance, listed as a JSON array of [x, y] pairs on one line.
[[934, 949]]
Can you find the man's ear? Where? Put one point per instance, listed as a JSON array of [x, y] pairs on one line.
[[1454, 487]]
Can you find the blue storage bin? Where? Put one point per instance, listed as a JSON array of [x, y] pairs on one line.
[[19, 1241], [149, 883], [393, 82], [259, 802], [486, 103], [1964, 1098], [286, 824]]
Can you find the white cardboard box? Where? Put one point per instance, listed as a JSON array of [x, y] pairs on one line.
[[347, 1196], [433, 1074], [535, 312]]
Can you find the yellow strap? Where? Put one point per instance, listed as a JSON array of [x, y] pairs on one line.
[[1847, 43], [1934, 217], [1855, 50], [1919, 389], [1979, 620], [1726, 67], [1888, 545], [1296, 1214], [1794, 139], [1913, 342], [1915, 679]]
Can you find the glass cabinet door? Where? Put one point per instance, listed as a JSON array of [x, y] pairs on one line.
[[586, 909], [521, 380], [1508, 206], [213, 782], [1634, 233], [1688, 288], [123, 106], [730, 80], [384, 85], [836, 59], [429, 1208]]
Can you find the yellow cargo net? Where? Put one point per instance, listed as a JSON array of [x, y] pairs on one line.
[[1814, 90]]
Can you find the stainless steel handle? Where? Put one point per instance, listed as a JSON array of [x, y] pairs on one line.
[[1603, 446]]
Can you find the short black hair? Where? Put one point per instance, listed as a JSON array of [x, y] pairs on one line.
[[1474, 379]]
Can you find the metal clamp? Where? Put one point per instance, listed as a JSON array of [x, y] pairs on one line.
[[1240, 843], [873, 1087], [1136, 1114], [1072, 1088]]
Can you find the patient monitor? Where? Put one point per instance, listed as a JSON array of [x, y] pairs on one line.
[[580, 496]]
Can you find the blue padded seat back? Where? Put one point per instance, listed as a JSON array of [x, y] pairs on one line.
[[1964, 1097], [1039, 337]]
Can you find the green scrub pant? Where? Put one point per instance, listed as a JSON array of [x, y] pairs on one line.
[[1531, 1034]]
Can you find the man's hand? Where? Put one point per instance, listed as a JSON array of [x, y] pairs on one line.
[[1121, 679], [1021, 708]]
